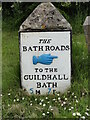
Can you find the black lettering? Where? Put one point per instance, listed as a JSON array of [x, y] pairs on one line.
[[46, 69], [50, 69], [48, 84], [48, 77], [36, 69], [35, 48], [43, 77], [38, 85], [38, 77], [37, 91], [34, 77], [40, 48], [59, 77], [54, 77], [24, 48], [48, 40], [45, 40], [30, 49], [52, 48], [25, 77], [40, 70], [40, 40], [54, 85], [55, 69], [57, 48], [62, 47], [65, 77], [67, 47], [47, 48], [30, 77], [44, 85]]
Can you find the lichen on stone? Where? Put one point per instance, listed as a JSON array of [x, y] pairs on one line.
[[45, 16]]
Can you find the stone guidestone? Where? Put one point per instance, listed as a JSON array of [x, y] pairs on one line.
[[86, 27], [45, 16]]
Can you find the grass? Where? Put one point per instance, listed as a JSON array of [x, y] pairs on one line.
[[17, 104]]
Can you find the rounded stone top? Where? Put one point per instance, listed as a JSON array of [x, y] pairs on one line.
[[45, 16], [87, 21], [86, 25]]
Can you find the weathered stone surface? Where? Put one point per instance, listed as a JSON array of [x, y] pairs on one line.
[[87, 38], [86, 26], [45, 16], [87, 21]]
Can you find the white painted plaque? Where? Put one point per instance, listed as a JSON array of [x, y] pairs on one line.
[[45, 61]]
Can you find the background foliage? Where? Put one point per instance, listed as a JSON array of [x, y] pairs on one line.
[[16, 104], [74, 12]]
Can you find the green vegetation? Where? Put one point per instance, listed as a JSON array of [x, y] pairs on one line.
[[16, 103], [75, 12]]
